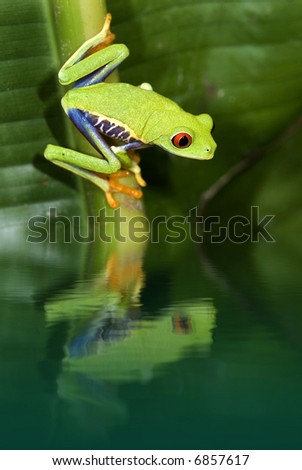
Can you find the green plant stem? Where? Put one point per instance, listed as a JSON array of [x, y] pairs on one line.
[[75, 21]]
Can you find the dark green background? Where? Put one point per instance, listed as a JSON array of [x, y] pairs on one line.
[[241, 62]]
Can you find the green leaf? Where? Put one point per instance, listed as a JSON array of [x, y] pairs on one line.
[[30, 115], [238, 61]]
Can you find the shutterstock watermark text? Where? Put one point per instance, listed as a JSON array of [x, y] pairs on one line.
[[113, 226]]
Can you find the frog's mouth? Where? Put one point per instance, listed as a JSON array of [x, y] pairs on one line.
[[207, 155]]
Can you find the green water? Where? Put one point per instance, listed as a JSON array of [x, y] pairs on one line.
[[159, 347]]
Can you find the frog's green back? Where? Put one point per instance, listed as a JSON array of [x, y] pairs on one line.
[[128, 104]]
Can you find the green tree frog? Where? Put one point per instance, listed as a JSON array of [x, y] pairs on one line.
[[135, 117]]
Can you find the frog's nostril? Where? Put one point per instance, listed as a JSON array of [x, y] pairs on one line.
[[209, 152]]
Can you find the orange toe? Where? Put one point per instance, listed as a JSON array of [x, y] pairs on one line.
[[111, 201], [121, 188]]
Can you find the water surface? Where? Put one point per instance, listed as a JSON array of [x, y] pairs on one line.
[[152, 347]]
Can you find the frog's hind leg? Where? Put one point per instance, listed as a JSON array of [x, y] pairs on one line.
[[94, 169], [110, 163], [94, 60], [101, 40], [117, 157], [101, 64], [76, 163]]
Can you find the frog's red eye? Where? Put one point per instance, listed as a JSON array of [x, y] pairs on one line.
[[182, 140]]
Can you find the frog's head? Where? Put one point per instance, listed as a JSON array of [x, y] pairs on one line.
[[190, 138]]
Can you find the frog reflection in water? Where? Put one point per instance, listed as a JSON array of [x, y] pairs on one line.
[[108, 329], [112, 338], [110, 325]]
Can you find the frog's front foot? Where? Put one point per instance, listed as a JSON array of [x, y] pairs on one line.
[[130, 160], [137, 173], [135, 168]]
